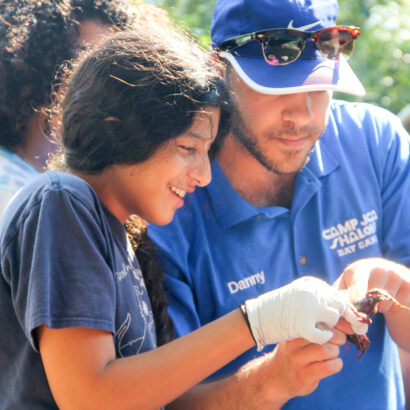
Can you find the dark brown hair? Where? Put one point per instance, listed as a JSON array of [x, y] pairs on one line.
[[125, 99], [132, 94]]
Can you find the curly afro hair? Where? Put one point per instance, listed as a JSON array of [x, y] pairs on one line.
[[36, 37], [113, 13]]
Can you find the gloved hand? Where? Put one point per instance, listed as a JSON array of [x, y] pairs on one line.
[[296, 310]]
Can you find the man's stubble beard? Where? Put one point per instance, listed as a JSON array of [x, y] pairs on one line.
[[249, 141]]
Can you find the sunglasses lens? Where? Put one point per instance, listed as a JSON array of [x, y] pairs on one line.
[[281, 47], [331, 42]]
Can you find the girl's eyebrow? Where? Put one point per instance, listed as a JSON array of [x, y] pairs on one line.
[[195, 135]]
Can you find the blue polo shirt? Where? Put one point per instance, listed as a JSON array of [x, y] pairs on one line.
[[351, 201]]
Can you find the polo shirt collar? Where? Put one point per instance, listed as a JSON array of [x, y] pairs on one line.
[[322, 162], [231, 209]]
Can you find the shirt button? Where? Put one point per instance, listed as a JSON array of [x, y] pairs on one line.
[[303, 260]]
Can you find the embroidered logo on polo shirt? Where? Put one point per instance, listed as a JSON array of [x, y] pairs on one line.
[[353, 234], [246, 283]]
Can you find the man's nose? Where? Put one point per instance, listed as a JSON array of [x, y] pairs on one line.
[[298, 109]]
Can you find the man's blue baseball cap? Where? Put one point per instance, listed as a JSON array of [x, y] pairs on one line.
[[310, 72]]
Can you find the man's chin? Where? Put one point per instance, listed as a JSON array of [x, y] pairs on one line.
[[287, 167]]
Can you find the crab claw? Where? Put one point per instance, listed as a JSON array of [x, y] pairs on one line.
[[359, 321]]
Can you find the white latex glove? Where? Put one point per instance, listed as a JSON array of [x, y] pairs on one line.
[[296, 310]]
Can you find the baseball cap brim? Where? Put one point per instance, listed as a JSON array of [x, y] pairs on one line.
[[303, 75]]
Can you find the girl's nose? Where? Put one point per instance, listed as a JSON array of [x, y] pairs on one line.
[[201, 171]]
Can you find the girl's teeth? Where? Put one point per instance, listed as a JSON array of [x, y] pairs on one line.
[[179, 192]]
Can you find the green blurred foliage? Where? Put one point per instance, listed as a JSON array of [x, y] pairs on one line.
[[193, 15], [382, 53]]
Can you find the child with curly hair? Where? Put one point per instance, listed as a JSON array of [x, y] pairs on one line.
[[36, 37]]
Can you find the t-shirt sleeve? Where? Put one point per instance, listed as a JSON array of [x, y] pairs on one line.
[[172, 253], [57, 267]]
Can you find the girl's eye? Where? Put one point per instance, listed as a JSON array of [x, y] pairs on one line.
[[187, 148]]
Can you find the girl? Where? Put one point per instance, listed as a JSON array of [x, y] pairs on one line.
[[139, 116]]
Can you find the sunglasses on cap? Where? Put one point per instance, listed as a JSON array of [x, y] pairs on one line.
[[284, 46]]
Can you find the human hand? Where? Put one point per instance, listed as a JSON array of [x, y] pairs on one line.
[[294, 368], [295, 310], [301, 365], [370, 273]]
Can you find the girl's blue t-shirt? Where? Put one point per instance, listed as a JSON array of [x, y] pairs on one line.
[[65, 262]]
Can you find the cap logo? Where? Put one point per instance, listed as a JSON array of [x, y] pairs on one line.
[[303, 28]]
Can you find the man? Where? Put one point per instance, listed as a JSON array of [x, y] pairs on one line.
[[302, 185]]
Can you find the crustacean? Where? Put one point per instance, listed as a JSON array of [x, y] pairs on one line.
[[368, 306]]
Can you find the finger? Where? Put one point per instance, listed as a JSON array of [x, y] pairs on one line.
[[391, 284], [357, 290], [403, 294], [312, 374], [339, 338], [295, 351], [355, 280], [344, 326], [293, 347], [316, 353], [379, 278], [325, 368]]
